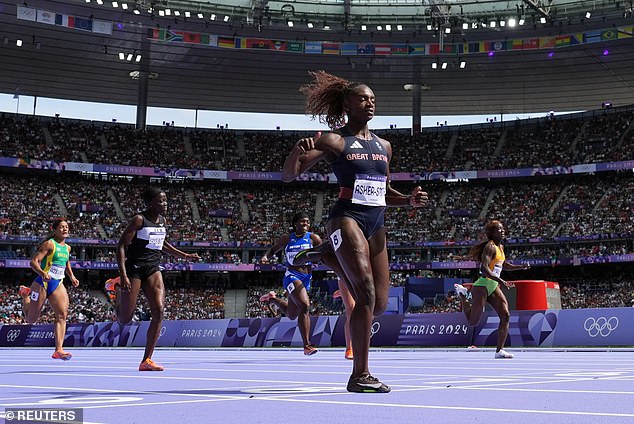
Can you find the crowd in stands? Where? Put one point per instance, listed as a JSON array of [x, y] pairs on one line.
[[598, 207]]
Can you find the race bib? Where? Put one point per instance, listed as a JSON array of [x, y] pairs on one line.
[[155, 241], [497, 270], [369, 190], [56, 272]]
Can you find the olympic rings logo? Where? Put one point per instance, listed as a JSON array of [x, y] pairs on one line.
[[376, 326], [601, 326], [12, 335]]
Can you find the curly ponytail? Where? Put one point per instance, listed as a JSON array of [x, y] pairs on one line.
[[325, 97]]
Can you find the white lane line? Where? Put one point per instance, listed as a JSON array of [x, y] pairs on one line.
[[456, 408]]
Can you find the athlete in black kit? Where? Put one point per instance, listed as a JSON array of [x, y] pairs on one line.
[[360, 161], [138, 255]]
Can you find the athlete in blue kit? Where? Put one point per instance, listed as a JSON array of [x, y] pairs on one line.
[[360, 161], [138, 255], [297, 278]]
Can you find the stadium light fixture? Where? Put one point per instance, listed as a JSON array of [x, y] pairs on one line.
[[447, 30], [399, 27], [492, 24], [512, 23], [115, 4], [124, 6], [310, 25], [129, 57], [213, 17], [138, 58], [177, 13], [18, 42], [463, 64], [521, 22], [87, 1], [444, 65], [542, 20], [502, 23], [588, 15], [226, 19], [188, 14], [168, 12], [465, 25], [388, 27], [99, 1], [434, 65], [200, 15], [161, 12], [121, 56], [364, 27], [290, 23]]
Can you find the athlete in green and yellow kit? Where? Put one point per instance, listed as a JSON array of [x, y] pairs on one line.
[[51, 262]]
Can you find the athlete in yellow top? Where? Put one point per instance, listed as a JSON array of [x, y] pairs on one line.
[[490, 254], [51, 263]]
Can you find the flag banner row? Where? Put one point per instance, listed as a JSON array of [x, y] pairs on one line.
[[75, 22], [389, 49], [334, 48]]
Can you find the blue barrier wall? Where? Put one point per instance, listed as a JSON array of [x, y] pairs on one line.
[[567, 327]]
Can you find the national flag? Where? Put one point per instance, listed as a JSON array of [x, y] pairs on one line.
[[498, 46], [382, 49], [366, 49], [416, 49], [546, 42], [432, 49], [240, 43], [312, 47], [530, 43], [213, 40], [330, 48], [83, 24], [101, 27], [474, 48], [592, 36], [256, 43], [156, 34], [295, 47], [400, 49], [517, 44], [349, 49], [226, 42], [449, 48], [278, 45], [204, 39], [65, 20], [174, 36], [576, 39], [191, 37], [27, 13], [45, 17], [625, 32], [562, 41], [610, 34]]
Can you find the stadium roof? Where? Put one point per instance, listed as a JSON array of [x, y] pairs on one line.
[[585, 58]]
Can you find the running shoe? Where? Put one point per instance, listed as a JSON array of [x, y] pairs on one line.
[[270, 295], [64, 356], [310, 350], [150, 365], [24, 291], [366, 384], [461, 290], [502, 354], [336, 294], [349, 354]]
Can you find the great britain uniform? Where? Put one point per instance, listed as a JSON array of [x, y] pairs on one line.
[[361, 171]]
